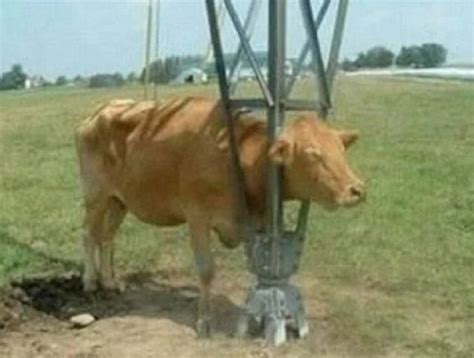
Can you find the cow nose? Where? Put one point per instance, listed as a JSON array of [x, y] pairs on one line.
[[357, 191]]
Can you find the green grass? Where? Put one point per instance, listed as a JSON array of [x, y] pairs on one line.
[[397, 273]]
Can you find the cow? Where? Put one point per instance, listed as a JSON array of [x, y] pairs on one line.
[[169, 164]]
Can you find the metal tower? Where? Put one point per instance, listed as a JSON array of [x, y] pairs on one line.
[[273, 255]]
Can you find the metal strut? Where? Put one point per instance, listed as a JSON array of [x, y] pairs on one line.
[[248, 52], [149, 20], [238, 175], [157, 45], [330, 75], [306, 48], [273, 255], [318, 63], [249, 27]]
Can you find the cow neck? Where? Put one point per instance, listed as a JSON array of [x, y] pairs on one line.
[[253, 149]]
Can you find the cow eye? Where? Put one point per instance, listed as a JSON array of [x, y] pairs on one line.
[[314, 153]]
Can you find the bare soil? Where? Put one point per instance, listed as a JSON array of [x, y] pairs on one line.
[[154, 317]]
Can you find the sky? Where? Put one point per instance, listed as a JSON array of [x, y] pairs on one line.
[[71, 37]]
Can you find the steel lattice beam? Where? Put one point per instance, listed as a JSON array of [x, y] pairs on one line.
[[249, 26], [273, 255]]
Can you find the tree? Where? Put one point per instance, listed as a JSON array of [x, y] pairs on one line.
[[106, 80], [361, 60], [132, 77], [378, 57], [13, 79], [164, 71], [61, 81], [426, 55], [157, 73], [409, 56], [117, 78], [80, 81], [433, 54], [171, 68], [348, 65]]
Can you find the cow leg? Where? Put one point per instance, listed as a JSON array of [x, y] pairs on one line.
[[89, 277], [103, 217], [93, 223], [205, 268], [114, 215]]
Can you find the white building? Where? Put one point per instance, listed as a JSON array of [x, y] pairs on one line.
[[34, 82], [191, 75]]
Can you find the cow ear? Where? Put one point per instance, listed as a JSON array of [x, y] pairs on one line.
[[348, 137], [281, 152], [222, 139]]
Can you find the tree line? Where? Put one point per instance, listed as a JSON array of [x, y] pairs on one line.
[[16, 78], [427, 55], [13, 79], [165, 70], [161, 71]]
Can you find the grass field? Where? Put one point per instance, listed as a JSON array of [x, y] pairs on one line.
[[396, 273]]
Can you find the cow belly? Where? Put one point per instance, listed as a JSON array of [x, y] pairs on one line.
[[159, 217], [154, 210], [153, 201], [148, 186]]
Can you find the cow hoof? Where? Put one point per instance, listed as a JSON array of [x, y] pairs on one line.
[[203, 328]]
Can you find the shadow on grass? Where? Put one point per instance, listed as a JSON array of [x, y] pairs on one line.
[[22, 249], [147, 295]]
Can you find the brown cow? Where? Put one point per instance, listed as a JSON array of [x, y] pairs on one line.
[[168, 164]]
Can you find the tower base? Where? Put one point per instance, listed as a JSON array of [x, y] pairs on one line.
[[276, 310]]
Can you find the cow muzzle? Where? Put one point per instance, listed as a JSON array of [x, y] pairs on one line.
[[354, 194]]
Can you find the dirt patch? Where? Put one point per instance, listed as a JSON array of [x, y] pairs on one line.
[[56, 296], [10, 311], [154, 317], [62, 296]]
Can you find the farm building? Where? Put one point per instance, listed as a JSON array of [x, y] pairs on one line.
[[191, 75], [34, 82]]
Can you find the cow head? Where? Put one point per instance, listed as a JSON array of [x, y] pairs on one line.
[[314, 163]]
